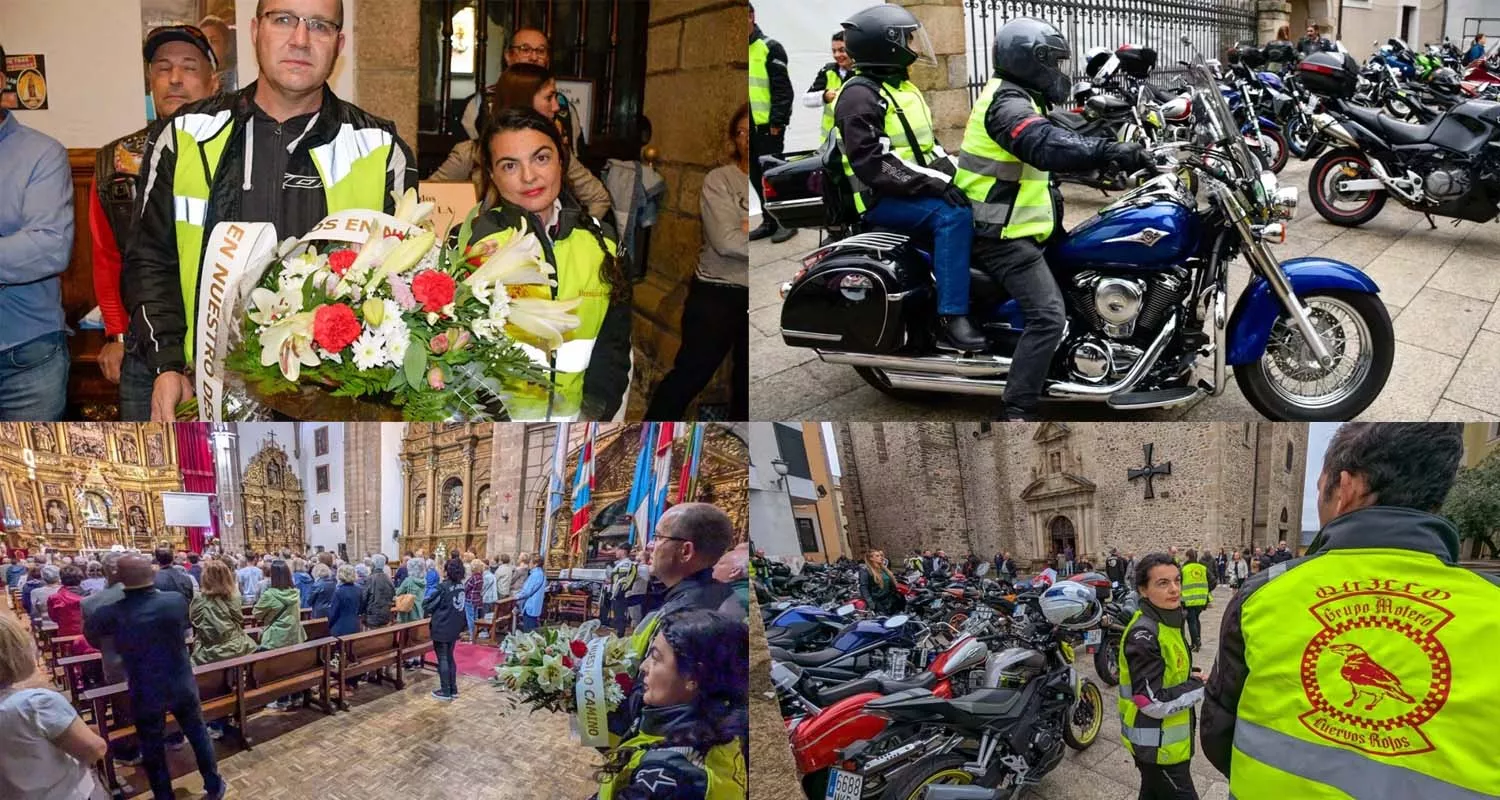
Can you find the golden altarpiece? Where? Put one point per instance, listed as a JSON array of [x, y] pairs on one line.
[[446, 470], [723, 479], [82, 486], [273, 502]]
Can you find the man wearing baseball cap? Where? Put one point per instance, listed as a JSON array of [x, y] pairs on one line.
[[183, 69], [283, 150]]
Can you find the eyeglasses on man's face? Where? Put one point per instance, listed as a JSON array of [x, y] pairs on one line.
[[528, 50], [285, 22]]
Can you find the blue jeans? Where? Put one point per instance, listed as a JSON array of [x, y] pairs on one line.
[[34, 379], [469, 616], [530, 623], [952, 231]]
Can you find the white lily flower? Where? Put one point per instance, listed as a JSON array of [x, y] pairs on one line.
[[546, 321], [519, 261], [269, 307], [402, 257], [410, 209], [289, 344]]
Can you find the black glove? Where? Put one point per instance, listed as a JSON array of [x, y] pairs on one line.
[[1129, 156], [954, 196]]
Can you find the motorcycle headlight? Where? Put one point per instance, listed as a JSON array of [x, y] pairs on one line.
[[1284, 203]]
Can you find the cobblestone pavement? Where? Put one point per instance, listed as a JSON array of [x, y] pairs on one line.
[[1440, 285], [1102, 772]]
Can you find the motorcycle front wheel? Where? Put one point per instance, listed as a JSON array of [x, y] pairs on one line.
[[1276, 148], [1107, 662], [1087, 717], [1290, 385], [1349, 209], [1299, 135]]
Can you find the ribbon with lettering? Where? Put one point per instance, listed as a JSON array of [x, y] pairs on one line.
[[589, 690], [236, 251]]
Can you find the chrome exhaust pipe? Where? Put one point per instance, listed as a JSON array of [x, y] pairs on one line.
[[947, 384], [981, 366]]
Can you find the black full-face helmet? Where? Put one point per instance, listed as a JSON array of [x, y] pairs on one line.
[[1446, 80], [1029, 52], [887, 37]]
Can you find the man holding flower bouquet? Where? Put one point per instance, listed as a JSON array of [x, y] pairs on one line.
[[284, 150]]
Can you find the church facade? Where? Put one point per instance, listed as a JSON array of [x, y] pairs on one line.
[[1035, 489]]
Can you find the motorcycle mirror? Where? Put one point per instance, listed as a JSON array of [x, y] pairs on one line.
[[897, 621], [845, 610], [983, 569], [782, 675], [781, 606]]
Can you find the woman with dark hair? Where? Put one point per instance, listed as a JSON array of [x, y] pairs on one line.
[[1159, 686], [447, 624], [525, 86], [689, 740], [65, 607], [524, 162], [717, 312], [279, 613]]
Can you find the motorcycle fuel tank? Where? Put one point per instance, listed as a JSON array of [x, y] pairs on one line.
[[802, 614], [861, 634], [1135, 232]]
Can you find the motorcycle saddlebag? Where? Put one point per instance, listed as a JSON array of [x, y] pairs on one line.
[[1329, 74], [857, 297], [794, 189]]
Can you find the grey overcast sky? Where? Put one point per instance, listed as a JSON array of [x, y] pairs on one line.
[[1318, 436], [830, 445]]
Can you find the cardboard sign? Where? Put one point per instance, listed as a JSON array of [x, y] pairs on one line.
[[454, 201], [25, 82]]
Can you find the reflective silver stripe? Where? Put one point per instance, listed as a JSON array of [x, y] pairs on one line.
[[1157, 737], [1345, 770], [760, 83], [999, 170], [189, 209], [991, 213], [1275, 570]]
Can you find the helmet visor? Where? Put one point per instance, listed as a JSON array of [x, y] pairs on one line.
[[915, 40]]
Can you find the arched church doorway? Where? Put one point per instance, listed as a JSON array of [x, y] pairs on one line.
[[1061, 536]]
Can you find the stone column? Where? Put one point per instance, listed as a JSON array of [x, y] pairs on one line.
[[507, 458], [947, 85], [1270, 15], [386, 34], [466, 524], [433, 501], [226, 446]]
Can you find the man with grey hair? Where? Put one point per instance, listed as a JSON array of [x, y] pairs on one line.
[[690, 539], [378, 593], [51, 582]]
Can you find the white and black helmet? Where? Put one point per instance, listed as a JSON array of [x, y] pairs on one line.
[[1071, 606]]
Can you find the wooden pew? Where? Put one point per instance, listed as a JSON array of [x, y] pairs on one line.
[[218, 693], [501, 620], [416, 642], [371, 651], [284, 671]]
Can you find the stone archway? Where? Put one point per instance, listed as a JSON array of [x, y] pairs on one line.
[[1061, 534]]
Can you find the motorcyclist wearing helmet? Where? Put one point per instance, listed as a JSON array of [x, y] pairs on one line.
[[1159, 686], [1008, 151], [901, 176]]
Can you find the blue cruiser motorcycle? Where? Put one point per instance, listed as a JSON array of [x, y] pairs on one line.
[[1145, 283]]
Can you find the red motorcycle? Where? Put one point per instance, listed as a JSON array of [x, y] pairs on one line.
[[818, 737], [1484, 70]]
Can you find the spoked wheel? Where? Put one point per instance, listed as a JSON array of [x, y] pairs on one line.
[[1087, 717], [1299, 135], [942, 770], [1288, 383], [1349, 209], [1276, 149]]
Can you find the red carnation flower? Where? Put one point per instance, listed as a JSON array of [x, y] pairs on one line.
[[626, 684], [579, 648], [433, 289], [341, 260], [567, 661], [335, 327]]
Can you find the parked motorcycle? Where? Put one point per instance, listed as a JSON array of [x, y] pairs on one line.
[[1145, 287], [1444, 167]]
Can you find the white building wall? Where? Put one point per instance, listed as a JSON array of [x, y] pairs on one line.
[[325, 532], [772, 528]]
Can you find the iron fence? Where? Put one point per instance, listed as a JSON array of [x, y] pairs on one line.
[[1212, 26]]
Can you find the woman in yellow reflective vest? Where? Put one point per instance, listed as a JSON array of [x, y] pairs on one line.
[[1159, 686], [825, 88], [688, 740], [525, 162]]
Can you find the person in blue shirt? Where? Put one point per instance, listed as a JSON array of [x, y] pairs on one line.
[[36, 241], [533, 595], [1476, 50], [303, 580]]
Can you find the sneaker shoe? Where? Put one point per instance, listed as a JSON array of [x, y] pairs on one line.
[[133, 761], [216, 733], [177, 745], [439, 695]]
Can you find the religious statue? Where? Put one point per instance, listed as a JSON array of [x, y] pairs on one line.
[[482, 514], [129, 453], [453, 502], [57, 518], [136, 520], [255, 527], [95, 510], [155, 450], [42, 437], [419, 520], [273, 474]]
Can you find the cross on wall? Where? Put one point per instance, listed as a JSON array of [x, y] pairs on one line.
[[1149, 472]]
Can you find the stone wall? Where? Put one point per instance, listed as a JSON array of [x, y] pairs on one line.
[[946, 85], [387, 33], [695, 79]]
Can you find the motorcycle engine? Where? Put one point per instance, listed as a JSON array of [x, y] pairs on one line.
[[1120, 315], [1446, 184]]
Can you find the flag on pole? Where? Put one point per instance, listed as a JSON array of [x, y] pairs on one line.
[[640, 486], [661, 474], [583, 489], [555, 487], [687, 483]]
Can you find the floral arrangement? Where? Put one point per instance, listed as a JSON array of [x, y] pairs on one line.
[[441, 331], [543, 666]]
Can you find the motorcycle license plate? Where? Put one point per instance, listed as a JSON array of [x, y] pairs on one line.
[[1094, 636], [844, 785], [895, 663]]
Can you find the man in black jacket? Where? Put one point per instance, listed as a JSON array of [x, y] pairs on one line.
[[768, 134], [1015, 209], [288, 152], [149, 628], [170, 577], [1282, 554], [379, 593]]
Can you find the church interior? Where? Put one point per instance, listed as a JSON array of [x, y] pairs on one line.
[[79, 491]]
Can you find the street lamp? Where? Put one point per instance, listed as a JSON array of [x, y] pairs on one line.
[[782, 470]]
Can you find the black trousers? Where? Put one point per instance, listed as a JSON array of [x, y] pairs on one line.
[[1158, 782], [715, 323], [150, 727], [1195, 631], [1020, 267], [762, 143]]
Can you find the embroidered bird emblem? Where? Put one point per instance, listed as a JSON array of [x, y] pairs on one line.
[[1368, 678]]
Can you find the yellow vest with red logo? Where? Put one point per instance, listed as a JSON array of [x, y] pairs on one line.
[[1372, 674]]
